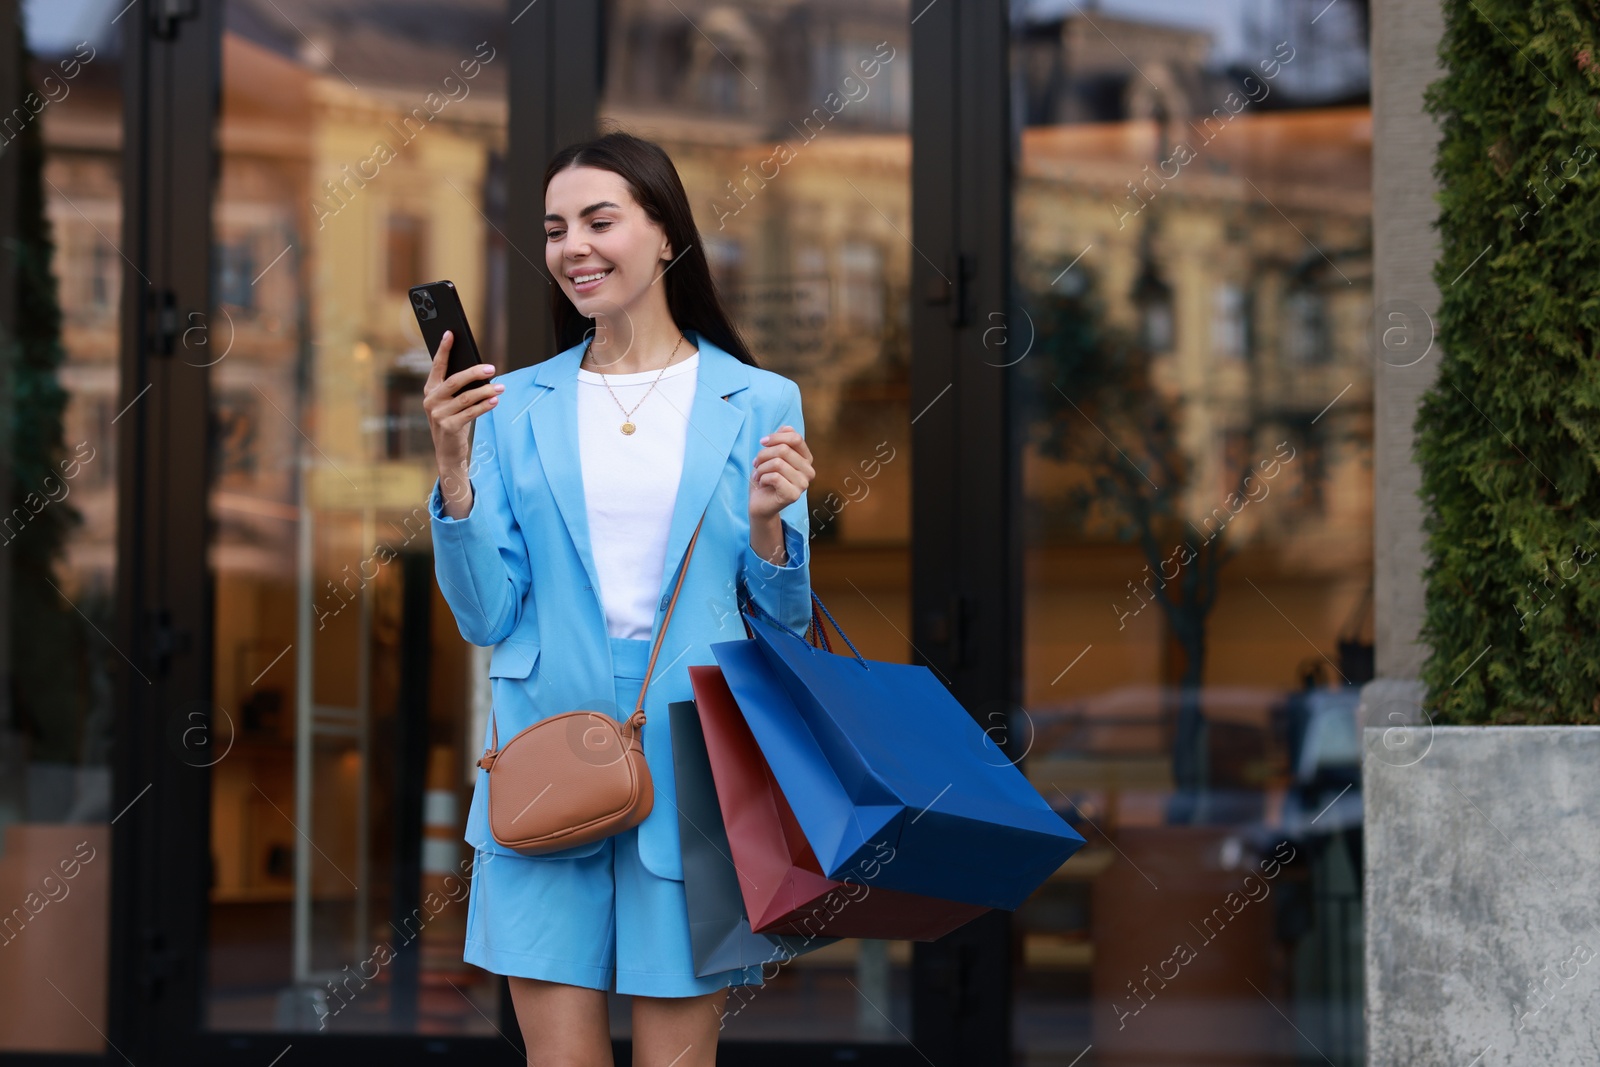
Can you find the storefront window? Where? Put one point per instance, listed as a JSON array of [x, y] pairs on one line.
[[1193, 254], [361, 152]]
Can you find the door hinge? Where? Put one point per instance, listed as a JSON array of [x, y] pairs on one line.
[[950, 287], [947, 626], [166, 14], [953, 978], [163, 322], [159, 964], [165, 639]]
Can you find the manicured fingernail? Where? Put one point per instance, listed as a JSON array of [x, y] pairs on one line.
[[767, 438]]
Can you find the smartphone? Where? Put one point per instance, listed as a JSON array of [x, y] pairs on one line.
[[438, 308]]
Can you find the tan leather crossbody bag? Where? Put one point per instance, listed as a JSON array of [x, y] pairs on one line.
[[575, 777]]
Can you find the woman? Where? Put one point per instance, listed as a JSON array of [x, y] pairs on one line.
[[559, 544]]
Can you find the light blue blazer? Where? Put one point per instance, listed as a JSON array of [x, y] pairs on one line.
[[518, 572]]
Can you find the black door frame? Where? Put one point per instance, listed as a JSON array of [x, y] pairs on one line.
[[965, 555], [161, 835], [966, 560]]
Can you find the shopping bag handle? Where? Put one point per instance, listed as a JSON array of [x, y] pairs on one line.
[[814, 637], [817, 603]]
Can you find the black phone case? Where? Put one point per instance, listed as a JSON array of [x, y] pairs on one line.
[[438, 308]]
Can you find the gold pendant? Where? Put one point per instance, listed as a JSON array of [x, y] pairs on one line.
[[627, 427]]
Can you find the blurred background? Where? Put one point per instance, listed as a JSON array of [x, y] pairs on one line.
[[1191, 408]]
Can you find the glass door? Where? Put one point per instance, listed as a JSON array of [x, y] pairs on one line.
[[790, 125], [362, 151], [1193, 250]]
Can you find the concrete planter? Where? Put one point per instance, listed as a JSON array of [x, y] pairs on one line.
[[1482, 893]]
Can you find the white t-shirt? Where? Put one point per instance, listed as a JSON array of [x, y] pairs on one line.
[[630, 483]]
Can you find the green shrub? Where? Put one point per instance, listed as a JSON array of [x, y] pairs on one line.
[[1508, 438], [50, 697]]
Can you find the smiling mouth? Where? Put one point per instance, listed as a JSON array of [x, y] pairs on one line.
[[583, 283]]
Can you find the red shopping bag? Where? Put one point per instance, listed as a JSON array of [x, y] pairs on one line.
[[782, 882]]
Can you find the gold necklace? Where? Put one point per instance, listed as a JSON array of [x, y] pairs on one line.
[[627, 414]]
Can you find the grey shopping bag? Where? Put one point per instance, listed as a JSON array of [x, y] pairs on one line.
[[719, 928]]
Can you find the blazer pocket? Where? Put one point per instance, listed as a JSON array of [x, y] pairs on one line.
[[513, 659]]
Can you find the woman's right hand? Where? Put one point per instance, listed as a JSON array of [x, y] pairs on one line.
[[450, 420]]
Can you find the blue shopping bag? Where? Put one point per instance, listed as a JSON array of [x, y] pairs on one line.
[[892, 781]]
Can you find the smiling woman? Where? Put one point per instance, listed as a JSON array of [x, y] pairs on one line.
[[623, 240], [609, 240], [717, 449]]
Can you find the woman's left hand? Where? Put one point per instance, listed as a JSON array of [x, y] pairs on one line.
[[782, 471]]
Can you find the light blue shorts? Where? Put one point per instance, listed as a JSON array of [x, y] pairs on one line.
[[603, 921]]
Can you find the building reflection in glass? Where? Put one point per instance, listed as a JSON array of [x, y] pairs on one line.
[[361, 153], [1193, 258]]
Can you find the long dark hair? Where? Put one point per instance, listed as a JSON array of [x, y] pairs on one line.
[[691, 293]]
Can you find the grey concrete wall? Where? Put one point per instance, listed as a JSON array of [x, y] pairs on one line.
[[1405, 40], [1482, 866]]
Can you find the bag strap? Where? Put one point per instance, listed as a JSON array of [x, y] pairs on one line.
[[816, 628], [655, 650]]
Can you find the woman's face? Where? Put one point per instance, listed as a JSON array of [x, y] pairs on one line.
[[593, 226]]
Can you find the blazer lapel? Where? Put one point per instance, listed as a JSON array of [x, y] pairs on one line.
[[554, 416], [713, 427]]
